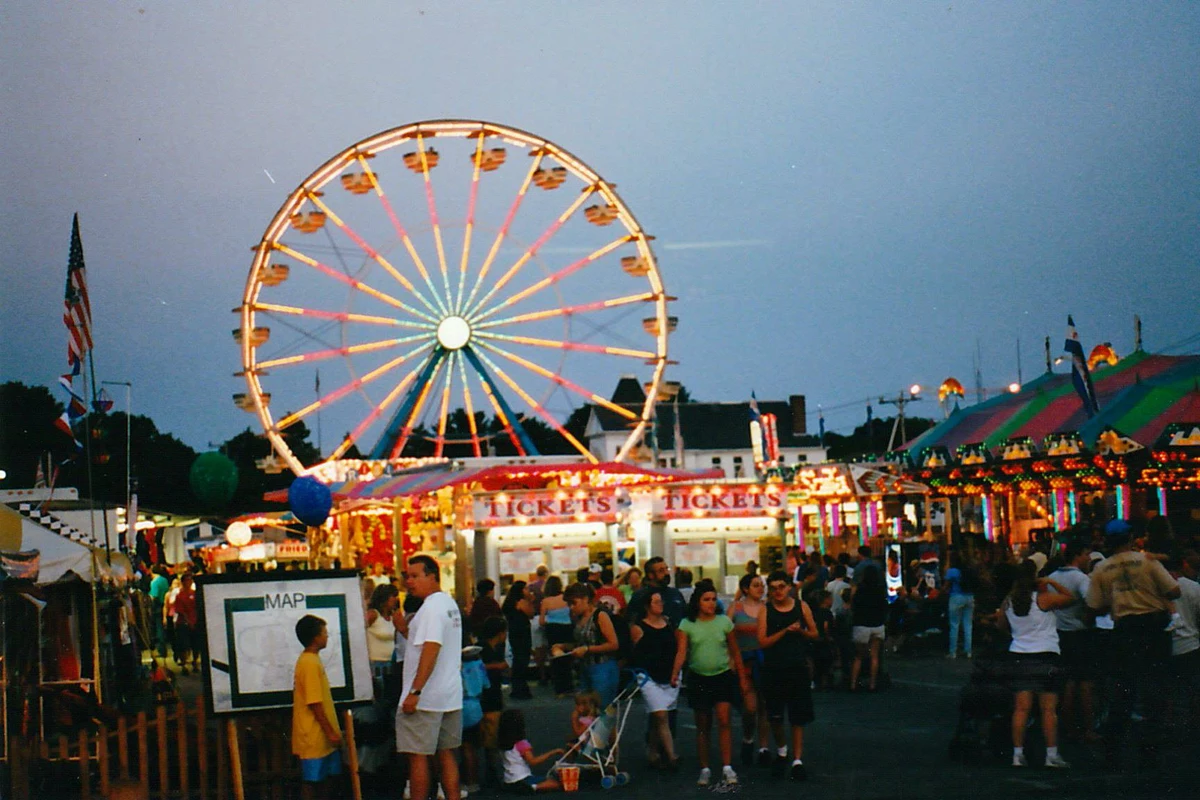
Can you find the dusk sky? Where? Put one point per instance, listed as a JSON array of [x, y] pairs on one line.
[[846, 197]]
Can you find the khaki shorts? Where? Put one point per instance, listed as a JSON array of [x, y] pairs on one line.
[[863, 634], [426, 732]]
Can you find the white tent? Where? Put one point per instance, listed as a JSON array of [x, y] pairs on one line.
[[59, 555]]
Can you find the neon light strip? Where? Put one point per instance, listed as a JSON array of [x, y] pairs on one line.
[[342, 391], [567, 311], [403, 234], [370, 251], [353, 283], [341, 316], [361, 428], [835, 520], [418, 407], [1162, 500], [466, 248], [554, 277], [542, 412], [1122, 501], [440, 443], [558, 345], [462, 374], [512, 212], [532, 250], [1074, 512], [987, 518], [433, 216], [320, 355], [561, 381]]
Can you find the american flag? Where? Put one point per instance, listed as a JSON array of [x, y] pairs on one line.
[[77, 310]]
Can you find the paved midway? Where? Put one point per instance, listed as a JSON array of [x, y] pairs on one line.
[[883, 746]]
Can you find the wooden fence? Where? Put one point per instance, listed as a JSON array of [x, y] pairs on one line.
[[176, 754]]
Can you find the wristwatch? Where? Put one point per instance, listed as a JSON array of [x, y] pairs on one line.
[[415, 692]]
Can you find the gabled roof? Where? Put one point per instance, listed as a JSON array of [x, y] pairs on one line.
[[711, 426], [629, 392]]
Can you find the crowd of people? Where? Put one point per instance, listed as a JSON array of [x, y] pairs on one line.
[[1082, 625]]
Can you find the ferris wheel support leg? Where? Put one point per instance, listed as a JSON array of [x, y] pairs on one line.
[[399, 420], [518, 429]]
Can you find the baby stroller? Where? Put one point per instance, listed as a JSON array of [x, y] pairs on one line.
[[985, 709], [598, 746]]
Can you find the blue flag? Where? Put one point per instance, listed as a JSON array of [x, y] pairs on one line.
[[1080, 375]]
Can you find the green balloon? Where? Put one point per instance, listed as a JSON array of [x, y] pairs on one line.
[[214, 479]]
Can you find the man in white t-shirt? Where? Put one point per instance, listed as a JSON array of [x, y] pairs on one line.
[[1185, 639], [429, 719]]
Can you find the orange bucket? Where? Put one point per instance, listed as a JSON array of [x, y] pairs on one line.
[[570, 778]]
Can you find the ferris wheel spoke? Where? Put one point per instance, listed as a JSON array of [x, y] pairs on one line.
[[410, 410], [554, 277], [560, 380], [556, 344], [371, 252], [444, 413], [353, 283], [540, 410], [566, 311], [340, 316], [508, 220], [334, 352], [470, 406], [466, 247], [433, 216], [345, 389], [512, 426], [376, 411], [401, 232], [532, 250]]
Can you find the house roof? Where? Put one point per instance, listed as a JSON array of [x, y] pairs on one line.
[[711, 426]]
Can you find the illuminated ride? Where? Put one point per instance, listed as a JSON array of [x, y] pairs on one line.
[[420, 327]]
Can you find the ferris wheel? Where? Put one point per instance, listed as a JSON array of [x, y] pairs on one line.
[[444, 333]]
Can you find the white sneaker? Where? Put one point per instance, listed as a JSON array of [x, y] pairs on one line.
[[407, 791], [1019, 760], [705, 777], [1057, 762], [728, 775]]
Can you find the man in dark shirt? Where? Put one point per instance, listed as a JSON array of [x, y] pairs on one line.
[[657, 575], [483, 607]]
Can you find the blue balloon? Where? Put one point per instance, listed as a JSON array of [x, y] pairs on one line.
[[310, 500]]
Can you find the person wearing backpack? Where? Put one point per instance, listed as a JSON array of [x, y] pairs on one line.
[[960, 584], [597, 645]]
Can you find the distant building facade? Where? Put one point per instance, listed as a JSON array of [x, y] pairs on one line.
[[715, 435]]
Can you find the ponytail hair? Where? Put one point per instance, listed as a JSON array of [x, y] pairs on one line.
[[1021, 594]]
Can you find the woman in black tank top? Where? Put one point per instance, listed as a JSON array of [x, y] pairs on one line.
[[784, 632]]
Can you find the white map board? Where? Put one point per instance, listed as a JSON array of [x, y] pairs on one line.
[[249, 624]]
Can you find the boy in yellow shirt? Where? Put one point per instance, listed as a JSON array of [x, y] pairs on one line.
[[316, 738]]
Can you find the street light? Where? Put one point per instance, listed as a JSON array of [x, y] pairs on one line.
[[900, 401]]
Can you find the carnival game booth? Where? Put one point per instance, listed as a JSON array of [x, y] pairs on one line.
[[1028, 464], [836, 508], [497, 518]]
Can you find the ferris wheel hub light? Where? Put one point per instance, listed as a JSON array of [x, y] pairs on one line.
[[453, 333]]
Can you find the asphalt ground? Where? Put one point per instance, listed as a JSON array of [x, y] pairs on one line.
[[889, 744]]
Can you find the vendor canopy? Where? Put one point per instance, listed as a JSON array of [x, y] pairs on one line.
[[60, 555], [1139, 396], [499, 477]]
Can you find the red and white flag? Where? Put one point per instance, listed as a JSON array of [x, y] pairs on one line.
[[77, 309]]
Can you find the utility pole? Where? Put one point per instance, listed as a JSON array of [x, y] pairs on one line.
[[900, 401]]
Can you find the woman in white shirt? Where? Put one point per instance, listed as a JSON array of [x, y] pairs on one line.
[[1028, 612]]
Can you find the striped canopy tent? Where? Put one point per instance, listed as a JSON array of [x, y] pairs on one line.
[[1139, 397], [496, 477]]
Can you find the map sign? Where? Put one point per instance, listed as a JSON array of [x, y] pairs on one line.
[[249, 623]]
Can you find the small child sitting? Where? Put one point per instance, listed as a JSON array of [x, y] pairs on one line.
[[519, 757]]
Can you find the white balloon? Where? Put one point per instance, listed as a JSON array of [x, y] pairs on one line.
[[238, 534]]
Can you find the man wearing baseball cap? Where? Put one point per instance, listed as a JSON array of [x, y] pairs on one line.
[[1137, 591]]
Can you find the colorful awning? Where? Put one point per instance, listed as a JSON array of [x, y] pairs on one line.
[[1139, 396]]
